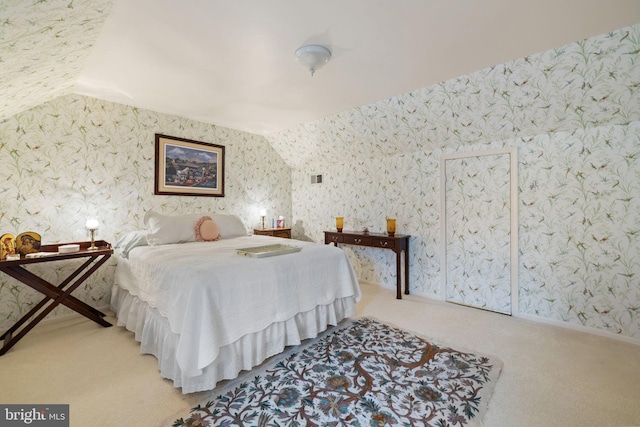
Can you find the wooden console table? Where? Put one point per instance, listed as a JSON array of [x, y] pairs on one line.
[[275, 232], [54, 295], [397, 243]]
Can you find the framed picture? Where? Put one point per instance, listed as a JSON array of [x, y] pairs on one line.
[[188, 168]]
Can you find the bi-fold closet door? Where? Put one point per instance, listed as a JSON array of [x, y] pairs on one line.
[[479, 234]]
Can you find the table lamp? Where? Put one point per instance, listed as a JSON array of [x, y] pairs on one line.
[[263, 213], [92, 224]]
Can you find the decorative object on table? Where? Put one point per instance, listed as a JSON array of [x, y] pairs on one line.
[[339, 223], [28, 243], [70, 248], [7, 245], [365, 230], [263, 213], [188, 168], [280, 222], [92, 225], [268, 250], [391, 226], [362, 373]]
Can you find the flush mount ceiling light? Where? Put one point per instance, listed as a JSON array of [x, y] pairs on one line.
[[312, 57]]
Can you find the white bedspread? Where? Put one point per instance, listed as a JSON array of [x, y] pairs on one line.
[[212, 297]]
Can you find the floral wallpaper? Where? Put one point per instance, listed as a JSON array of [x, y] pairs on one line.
[[580, 227], [573, 113], [76, 157], [52, 39]]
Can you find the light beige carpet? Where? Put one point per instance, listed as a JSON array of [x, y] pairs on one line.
[[551, 376]]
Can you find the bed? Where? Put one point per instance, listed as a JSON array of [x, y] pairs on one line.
[[207, 312]]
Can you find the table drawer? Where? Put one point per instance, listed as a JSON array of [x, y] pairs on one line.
[[282, 233], [357, 240], [383, 242], [333, 238]]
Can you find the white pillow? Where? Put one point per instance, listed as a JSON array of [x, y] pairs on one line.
[[164, 229], [130, 240], [229, 225]]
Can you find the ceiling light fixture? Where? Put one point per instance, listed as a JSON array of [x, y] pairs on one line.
[[312, 57]]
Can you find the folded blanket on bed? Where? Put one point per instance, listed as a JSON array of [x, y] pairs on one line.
[[212, 296]]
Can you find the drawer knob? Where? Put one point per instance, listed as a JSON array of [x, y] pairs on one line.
[[334, 238], [384, 244], [358, 241]]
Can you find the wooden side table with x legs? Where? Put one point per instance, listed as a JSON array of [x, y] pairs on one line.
[[54, 295]]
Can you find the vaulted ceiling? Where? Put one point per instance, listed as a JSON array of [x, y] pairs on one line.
[[231, 62]]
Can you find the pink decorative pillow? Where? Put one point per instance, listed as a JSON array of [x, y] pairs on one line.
[[207, 230]]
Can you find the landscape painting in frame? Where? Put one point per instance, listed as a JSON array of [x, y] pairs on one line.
[[188, 168]]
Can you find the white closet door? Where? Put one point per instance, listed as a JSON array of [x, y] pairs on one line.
[[478, 230]]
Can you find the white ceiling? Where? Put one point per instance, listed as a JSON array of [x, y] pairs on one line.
[[230, 62]]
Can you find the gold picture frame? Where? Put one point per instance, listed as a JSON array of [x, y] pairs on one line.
[[28, 242], [185, 167], [7, 245]]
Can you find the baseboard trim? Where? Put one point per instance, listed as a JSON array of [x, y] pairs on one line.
[[419, 294], [533, 318], [579, 328]]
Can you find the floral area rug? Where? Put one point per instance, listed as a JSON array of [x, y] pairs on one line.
[[363, 373]]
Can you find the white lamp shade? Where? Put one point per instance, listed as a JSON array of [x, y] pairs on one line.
[[263, 212], [312, 57], [92, 224]]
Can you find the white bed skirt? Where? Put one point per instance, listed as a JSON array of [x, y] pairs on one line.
[[152, 330]]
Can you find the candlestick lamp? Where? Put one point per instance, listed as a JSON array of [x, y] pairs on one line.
[[92, 225]]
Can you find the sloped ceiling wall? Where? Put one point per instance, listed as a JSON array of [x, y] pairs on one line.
[[575, 86], [43, 49]]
